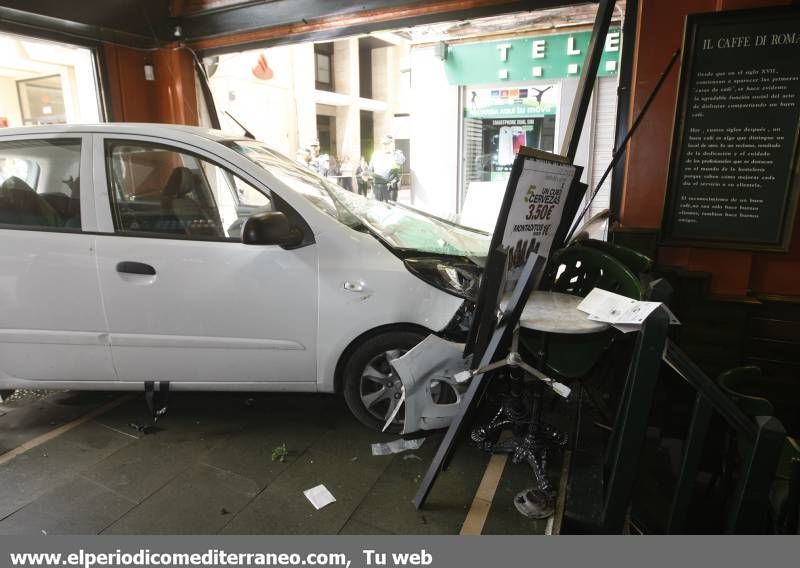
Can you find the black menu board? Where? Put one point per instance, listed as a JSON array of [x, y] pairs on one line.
[[733, 178]]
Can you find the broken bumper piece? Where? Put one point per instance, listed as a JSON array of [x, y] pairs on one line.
[[432, 395]]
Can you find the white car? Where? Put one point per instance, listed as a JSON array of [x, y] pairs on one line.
[[134, 253]]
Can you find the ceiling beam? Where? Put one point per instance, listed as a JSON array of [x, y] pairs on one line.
[[215, 26], [275, 22], [50, 22]]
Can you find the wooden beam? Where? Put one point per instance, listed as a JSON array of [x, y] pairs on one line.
[[390, 16]]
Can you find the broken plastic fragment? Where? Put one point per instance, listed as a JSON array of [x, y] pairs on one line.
[[397, 407], [396, 446], [431, 365], [145, 428]]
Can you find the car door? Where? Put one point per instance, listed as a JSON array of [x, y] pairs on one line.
[[186, 300], [52, 326]]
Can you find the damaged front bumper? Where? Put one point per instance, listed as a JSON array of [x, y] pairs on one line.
[[432, 397]]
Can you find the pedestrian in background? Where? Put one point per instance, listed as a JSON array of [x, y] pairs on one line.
[[385, 167], [346, 173], [363, 177]]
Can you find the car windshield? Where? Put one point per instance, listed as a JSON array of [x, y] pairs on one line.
[[400, 227]]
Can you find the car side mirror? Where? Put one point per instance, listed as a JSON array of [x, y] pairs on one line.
[[270, 228]]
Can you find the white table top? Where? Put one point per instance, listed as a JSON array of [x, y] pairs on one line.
[[554, 312]]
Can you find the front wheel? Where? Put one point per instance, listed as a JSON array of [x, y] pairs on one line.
[[371, 393]]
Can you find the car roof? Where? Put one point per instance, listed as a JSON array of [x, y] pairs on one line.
[[177, 131]]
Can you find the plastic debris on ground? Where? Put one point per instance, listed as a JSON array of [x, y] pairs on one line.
[[145, 428], [396, 446], [319, 496]]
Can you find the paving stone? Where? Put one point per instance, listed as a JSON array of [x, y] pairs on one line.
[[24, 423], [283, 509], [187, 417], [213, 451], [201, 500], [143, 467], [53, 463], [388, 505], [354, 527], [95, 436], [78, 506], [249, 453], [350, 438]]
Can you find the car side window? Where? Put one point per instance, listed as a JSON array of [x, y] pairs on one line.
[[40, 184], [161, 190]]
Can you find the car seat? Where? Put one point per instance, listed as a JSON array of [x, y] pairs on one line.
[[181, 207], [21, 205]]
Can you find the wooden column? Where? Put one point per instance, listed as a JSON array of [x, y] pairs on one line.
[[170, 97]]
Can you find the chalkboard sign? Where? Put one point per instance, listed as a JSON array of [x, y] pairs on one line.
[[539, 192], [733, 178]]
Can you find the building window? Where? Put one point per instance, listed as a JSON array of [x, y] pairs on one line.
[[323, 61], [326, 132], [364, 69], [367, 127]]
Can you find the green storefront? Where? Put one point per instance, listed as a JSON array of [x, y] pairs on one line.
[[513, 93]]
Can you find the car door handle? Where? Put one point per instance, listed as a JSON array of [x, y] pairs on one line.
[[130, 267]]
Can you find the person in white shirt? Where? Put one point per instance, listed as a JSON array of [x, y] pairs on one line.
[[385, 167]]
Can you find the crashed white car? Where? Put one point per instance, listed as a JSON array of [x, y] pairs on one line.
[[137, 253]]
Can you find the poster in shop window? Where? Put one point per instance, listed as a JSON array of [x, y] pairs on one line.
[[733, 178], [532, 214]]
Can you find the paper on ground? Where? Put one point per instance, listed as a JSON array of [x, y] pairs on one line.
[[396, 446], [319, 496], [625, 314]]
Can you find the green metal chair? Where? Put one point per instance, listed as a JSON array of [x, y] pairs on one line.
[[577, 270], [754, 394], [741, 384], [785, 494], [765, 395], [635, 261]]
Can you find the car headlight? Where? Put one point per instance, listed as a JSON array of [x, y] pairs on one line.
[[455, 277]]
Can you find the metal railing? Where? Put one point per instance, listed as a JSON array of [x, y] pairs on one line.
[[762, 439]]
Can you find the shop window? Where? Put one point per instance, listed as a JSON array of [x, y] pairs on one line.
[[47, 82], [41, 101], [323, 64], [40, 184], [498, 121]]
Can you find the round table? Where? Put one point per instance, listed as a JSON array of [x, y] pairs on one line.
[[554, 312], [549, 313]]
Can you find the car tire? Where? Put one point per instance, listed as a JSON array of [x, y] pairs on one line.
[[366, 373], [5, 394]]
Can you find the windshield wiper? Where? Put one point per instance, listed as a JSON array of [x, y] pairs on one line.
[[361, 227]]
